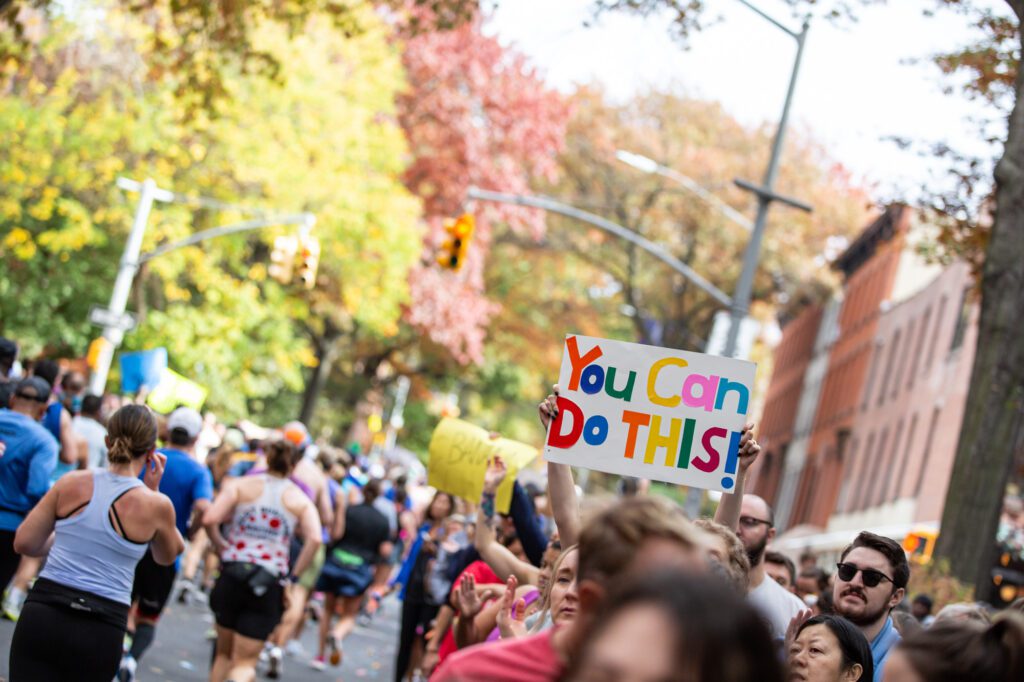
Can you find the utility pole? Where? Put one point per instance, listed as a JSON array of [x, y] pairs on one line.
[[112, 332], [765, 194], [114, 320]]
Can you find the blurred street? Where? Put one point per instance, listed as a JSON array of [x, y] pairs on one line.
[[180, 652]]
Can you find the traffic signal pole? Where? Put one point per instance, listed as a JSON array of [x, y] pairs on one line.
[[132, 258], [122, 286]]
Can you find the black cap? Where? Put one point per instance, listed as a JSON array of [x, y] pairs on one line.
[[8, 350], [40, 387]]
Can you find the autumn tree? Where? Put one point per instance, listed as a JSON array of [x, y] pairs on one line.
[[323, 138], [992, 435], [701, 140]]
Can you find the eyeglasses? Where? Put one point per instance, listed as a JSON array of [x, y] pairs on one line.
[[37, 398], [870, 576], [751, 522]]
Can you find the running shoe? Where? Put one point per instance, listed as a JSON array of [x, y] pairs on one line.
[[295, 649], [318, 663], [335, 647], [13, 601], [126, 672], [276, 666]]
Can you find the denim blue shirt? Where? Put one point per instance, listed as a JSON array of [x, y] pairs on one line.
[[881, 645]]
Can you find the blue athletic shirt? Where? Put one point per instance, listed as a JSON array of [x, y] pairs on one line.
[[25, 468], [184, 481]]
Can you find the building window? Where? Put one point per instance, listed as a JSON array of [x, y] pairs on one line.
[[907, 347], [927, 451], [848, 465], [888, 366], [935, 332], [873, 471], [863, 473], [907, 449], [922, 332], [875, 361], [960, 330], [888, 466]]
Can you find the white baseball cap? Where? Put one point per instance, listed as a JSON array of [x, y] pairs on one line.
[[186, 419]]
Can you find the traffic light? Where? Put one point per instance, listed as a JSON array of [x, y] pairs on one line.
[[309, 258], [282, 258], [453, 250]]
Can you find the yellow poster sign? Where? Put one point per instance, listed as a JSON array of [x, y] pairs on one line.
[[175, 390], [458, 459]]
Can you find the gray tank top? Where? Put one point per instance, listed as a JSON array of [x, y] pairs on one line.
[[87, 553]]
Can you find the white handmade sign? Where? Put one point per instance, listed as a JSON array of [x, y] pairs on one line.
[[649, 412]]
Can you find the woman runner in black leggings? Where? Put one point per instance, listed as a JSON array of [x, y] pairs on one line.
[[95, 525]]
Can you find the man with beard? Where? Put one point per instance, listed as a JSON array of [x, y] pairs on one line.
[[756, 528], [871, 579]]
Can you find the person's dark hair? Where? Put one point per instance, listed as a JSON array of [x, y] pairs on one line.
[[957, 651], [132, 432], [852, 642], [280, 456], [8, 354], [371, 491], [826, 603], [92, 405], [819, 575], [180, 437], [781, 559], [925, 601], [718, 636], [887, 547], [47, 370], [401, 495]]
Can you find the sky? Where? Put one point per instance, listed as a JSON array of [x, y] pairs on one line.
[[856, 86]]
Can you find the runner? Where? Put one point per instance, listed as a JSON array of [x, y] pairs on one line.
[[349, 570], [95, 525], [262, 512], [29, 458], [190, 488]]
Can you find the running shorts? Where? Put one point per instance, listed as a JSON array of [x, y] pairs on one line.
[[152, 586], [248, 600], [67, 634]]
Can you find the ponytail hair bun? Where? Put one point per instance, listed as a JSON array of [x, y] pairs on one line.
[[281, 456], [132, 431]]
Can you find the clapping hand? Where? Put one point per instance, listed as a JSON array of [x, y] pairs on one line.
[[468, 601], [512, 612]]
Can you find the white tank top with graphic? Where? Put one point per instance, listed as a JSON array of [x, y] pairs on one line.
[[261, 531]]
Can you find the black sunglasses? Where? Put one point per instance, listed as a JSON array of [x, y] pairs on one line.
[[751, 522], [870, 576], [37, 398]]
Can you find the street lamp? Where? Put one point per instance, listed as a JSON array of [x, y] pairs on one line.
[[765, 193], [650, 166]]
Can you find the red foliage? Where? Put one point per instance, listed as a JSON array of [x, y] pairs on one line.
[[476, 114]]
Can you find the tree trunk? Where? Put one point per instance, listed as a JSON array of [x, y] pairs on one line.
[[992, 429], [326, 353]]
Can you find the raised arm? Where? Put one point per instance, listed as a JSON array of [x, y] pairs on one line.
[[565, 506], [498, 557], [728, 512]]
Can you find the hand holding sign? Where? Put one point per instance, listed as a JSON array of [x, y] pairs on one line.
[[459, 456], [656, 413]]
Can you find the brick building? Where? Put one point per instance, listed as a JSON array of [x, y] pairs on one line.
[[872, 438]]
